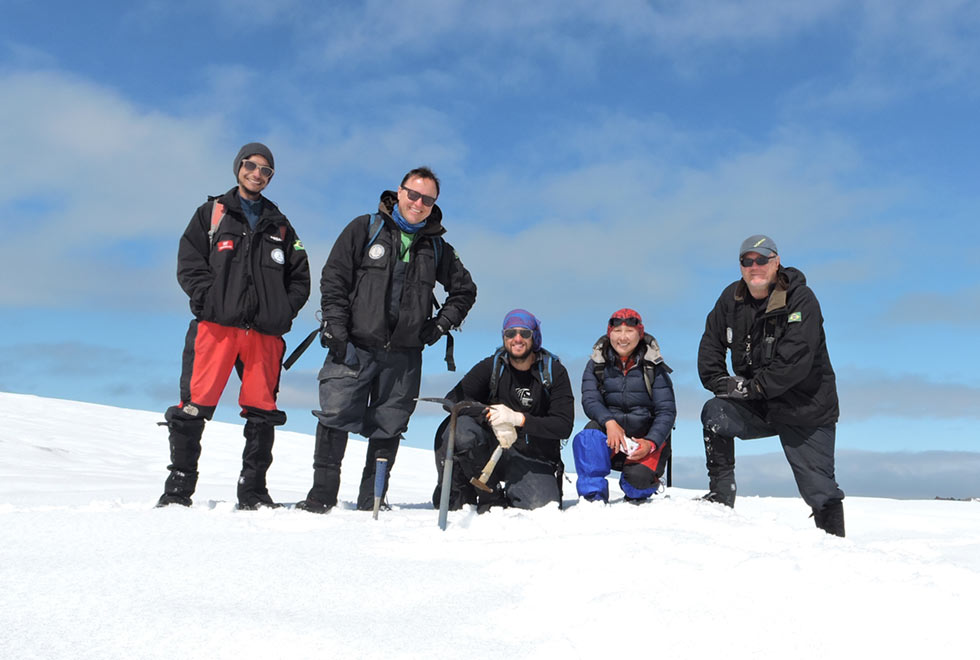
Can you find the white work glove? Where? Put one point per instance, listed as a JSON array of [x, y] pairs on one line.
[[506, 434], [500, 413]]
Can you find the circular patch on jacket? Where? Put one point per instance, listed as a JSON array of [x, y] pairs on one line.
[[278, 256], [376, 251]]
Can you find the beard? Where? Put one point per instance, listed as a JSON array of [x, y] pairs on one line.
[[521, 356]]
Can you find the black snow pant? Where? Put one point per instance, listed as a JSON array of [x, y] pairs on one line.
[[809, 450], [517, 481], [372, 393]]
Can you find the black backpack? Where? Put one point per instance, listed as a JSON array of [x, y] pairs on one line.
[[544, 365]]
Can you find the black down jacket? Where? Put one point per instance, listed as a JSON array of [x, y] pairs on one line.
[[243, 278], [356, 282]]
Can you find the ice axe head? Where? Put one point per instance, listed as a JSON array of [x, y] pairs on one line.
[[481, 481]]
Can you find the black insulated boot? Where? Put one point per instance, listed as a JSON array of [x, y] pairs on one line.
[[328, 454], [256, 459], [167, 500], [377, 448], [185, 450], [719, 455], [312, 506], [721, 496], [830, 518]]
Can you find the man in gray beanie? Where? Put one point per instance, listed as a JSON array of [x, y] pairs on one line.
[[783, 385], [247, 276]]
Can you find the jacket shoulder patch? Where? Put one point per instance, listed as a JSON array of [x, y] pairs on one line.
[[795, 317]]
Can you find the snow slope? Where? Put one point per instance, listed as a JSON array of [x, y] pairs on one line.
[[89, 569]]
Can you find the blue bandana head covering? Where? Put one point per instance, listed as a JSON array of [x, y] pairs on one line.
[[521, 318], [404, 224]]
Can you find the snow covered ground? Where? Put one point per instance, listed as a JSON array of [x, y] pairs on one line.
[[89, 569]]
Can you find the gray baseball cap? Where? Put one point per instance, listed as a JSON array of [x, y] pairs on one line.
[[764, 245]]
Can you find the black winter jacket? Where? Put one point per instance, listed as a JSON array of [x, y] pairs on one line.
[[625, 398], [243, 278], [356, 282], [780, 345], [549, 418]]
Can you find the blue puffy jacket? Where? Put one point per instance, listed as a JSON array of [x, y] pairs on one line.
[[624, 397]]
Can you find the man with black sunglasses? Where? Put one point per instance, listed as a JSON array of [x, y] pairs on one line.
[[783, 381], [530, 411], [247, 276], [377, 304]]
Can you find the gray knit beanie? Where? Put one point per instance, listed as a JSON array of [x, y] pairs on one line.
[[251, 149]]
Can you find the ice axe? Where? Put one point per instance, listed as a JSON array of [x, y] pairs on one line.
[[481, 481], [447, 469]]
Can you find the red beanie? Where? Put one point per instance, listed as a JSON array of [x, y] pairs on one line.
[[626, 313]]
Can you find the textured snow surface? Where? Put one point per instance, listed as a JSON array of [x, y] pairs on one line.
[[89, 569]]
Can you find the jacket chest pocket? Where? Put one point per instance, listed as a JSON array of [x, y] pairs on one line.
[[227, 247], [272, 252], [422, 268]]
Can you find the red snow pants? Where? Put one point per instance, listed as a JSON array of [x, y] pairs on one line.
[[210, 352]]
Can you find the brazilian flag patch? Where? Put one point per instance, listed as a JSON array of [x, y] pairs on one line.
[[795, 317], [298, 245]]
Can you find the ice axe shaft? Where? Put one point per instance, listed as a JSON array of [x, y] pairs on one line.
[[481, 481], [447, 468]]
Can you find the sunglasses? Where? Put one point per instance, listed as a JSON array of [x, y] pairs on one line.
[[758, 261], [510, 333], [414, 195], [631, 321], [264, 170]]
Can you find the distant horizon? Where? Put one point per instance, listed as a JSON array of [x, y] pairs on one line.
[[912, 475]]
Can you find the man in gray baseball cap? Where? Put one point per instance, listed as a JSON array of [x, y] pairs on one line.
[[783, 382]]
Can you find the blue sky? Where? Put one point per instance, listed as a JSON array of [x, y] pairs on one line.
[[593, 156]]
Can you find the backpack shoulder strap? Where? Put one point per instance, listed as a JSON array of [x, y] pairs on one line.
[[437, 250], [217, 215], [649, 374], [599, 370], [496, 369], [650, 366], [377, 222], [546, 369]]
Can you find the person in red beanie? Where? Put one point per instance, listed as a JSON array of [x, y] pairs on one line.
[[629, 398]]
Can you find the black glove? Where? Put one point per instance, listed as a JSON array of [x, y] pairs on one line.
[[736, 387], [336, 347], [433, 329]]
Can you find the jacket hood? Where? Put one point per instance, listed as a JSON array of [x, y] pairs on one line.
[[648, 350], [787, 280], [433, 224]]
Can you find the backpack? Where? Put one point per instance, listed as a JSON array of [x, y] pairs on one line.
[[218, 214], [544, 364], [649, 368], [377, 222]]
